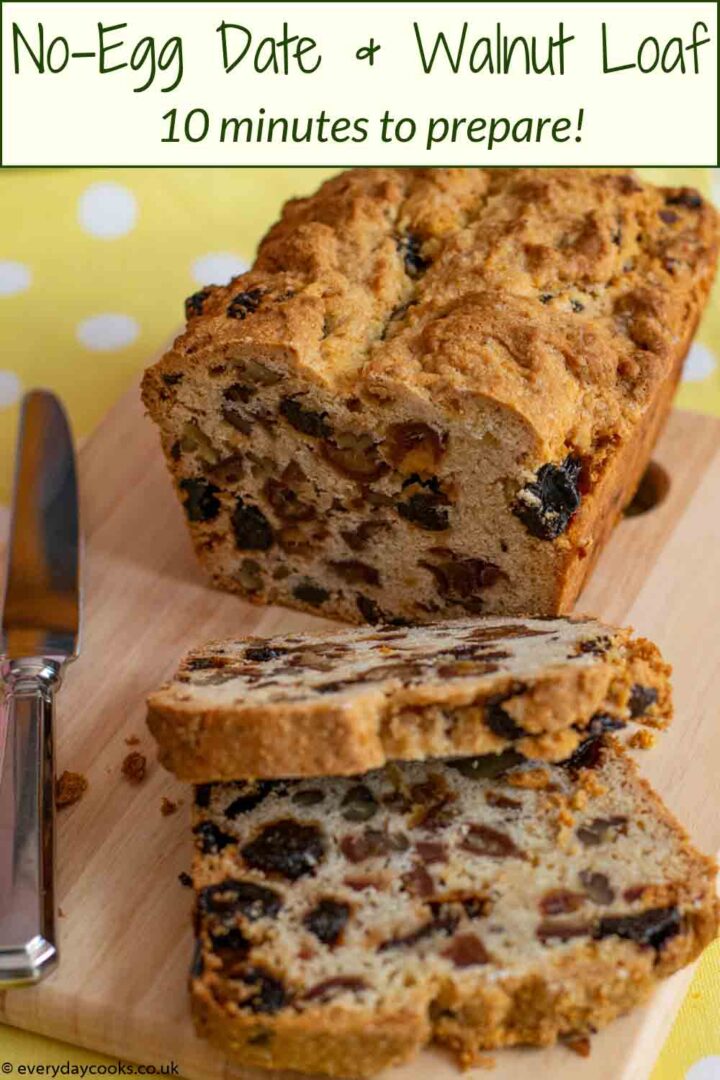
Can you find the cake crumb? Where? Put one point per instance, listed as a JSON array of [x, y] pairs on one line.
[[167, 806], [61, 913], [185, 879], [132, 740], [642, 740], [69, 789], [134, 767], [579, 1045]]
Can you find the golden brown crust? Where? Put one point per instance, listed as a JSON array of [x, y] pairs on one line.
[[527, 317], [227, 715]]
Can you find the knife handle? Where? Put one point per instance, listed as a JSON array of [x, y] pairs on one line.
[[28, 949]]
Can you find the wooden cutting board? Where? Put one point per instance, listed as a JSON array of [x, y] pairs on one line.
[[124, 927]]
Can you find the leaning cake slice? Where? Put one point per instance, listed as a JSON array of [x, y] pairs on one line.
[[342, 924], [347, 701]]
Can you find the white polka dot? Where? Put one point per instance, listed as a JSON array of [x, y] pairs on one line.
[[700, 363], [102, 333], [218, 268], [707, 1068], [15, 277], [107, 210], [10, 388]]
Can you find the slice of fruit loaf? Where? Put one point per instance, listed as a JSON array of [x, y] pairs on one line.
[[348, 701], [342, 925]]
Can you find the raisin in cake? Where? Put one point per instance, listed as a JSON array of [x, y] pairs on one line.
[[345, 702], [436, 389], [341, 925]]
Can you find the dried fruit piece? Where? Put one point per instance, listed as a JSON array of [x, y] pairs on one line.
[[356, 572], [308, 797], [562, 931], [484, 840], [418, 882], [466, 950], [597, 886], [414, 447], [501, 722], [254, 371], [547, 504], [425, 504], [652, 927], [287, 848], [461, 580], [641, 699], [254, 792], [310, 593], [285, 502], [410, 248], [327, 920], [244, 304], [194, 304], [306, 421], [354, 455], [268, 995], [687, 197], [371, 843], [359, 538], [252, 529], [200, 502], [560, 902], [211, 839], [330, 988], [247, 898], [599, 830], [359, 804]]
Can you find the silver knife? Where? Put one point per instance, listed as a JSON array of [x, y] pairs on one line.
[[40, 634]]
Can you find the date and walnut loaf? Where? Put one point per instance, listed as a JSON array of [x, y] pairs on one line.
[[347, 701], [435, 390], [342, 925]]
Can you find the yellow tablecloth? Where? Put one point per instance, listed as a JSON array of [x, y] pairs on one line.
[[94, 265]]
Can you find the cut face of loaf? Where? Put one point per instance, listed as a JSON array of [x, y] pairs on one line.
[[348, 701], [342, 925], [436, 389]]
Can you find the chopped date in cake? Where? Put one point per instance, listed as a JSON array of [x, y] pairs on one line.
[[359, 804], [461, 580], [252, 529], [410, 248], [547, 505], [499, 720], [484, 840], [255, 792], [195, 303], [244, 304], [200, 499], [653, 927], [246, 898], [424, 504], [597, 886], [327, 920], [466, 950], [354, 455], [599, 830], [642, 698], [310, 593], [306, 421], [212, 839], [266, 993], [287, 848], [356, 572], [560, 902]]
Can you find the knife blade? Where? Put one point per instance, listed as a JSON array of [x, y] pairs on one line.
[[40, 633]]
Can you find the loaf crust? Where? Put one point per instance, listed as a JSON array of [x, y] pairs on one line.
[[545, 901], [344, 702], [436, 389]]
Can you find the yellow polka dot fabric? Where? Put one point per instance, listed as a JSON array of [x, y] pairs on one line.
[[94, 266]]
